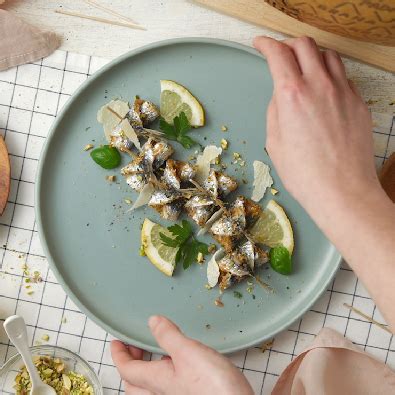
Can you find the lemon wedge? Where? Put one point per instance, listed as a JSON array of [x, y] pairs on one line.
[[273, 228], [160, 255], [175, 99]]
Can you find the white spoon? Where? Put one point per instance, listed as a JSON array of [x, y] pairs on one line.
[[16, 330]]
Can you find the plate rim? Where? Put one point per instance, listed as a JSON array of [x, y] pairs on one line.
[[38, 209]]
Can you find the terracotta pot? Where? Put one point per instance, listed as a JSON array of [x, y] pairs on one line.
[[366, 20]]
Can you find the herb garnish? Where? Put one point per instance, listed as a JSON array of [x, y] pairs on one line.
[[237, 294], [178, 131], [106, 156], [188, 246]]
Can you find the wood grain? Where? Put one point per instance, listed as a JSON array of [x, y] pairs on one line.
[[387, 177], [261, 13], [5, 175]]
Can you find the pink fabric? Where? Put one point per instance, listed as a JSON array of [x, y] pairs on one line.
[[334, 366], [22, 43]]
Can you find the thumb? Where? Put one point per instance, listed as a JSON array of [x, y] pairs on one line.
[[167, 334]]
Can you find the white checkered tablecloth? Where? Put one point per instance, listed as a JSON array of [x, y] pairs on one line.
[[30, 97]]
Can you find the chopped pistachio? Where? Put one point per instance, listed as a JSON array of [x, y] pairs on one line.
[[30, 292], [207, 286], [127, 201], [217, 160], [200, 257], [212, 248], [224, 144], [53, 372], [142, 251], [218, 303], [236, 155], [88, 147], [45, 337], [66, 382], [273, 191], [224, 128], [111, 178], [242, 163]]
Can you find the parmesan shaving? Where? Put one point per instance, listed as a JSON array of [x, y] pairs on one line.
[[262, 180], [144, 197], [210, 221], [204, 160], [127, 128], [213, 269], [111, 114]]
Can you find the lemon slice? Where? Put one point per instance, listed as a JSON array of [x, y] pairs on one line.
[[175, 99], [163, 257], [273, 228]]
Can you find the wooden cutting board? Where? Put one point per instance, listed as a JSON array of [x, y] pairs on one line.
[[5, 175], [262, 14]]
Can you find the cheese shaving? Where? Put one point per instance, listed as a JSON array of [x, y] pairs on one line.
[[213, 269], [204, 160], [262, 180], [111, 114], [144, 197], [210, 221], [127, 128]]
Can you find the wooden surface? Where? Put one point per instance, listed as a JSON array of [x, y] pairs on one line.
[[261, 13], [387, 177], [5, 175], [167, 19]]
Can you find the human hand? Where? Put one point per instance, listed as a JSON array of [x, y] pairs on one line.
[[191, 368], [318, 127]]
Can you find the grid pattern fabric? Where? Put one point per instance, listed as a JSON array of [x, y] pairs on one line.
[[30, 98]]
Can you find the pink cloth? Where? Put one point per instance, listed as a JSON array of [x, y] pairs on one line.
[[334, 366], [22, 43]]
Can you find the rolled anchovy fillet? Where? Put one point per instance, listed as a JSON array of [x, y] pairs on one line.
[[211, 184], [157, 152], [137, 172], [226, 184], [142, 113], [200, 209]]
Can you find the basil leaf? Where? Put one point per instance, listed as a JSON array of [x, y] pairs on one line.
[[106, 157], [280, 260]]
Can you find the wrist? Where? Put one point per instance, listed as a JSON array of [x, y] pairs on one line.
[[336, 204]]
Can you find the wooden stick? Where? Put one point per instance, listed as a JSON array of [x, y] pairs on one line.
[[370, 319], [110, 11], [102, 20]]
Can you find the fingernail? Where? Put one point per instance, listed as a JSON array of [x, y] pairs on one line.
[[154, 321]]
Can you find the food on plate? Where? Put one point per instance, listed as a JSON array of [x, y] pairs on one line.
[[106, 156], [175, 99], [248, 235], [160, 255], [273, 228], [262, 180]]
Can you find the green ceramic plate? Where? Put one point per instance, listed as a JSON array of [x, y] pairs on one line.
[[92, 244]]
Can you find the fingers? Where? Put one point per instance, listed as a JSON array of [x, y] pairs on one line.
[[150, 375], [308, 55], [281, 59], [167, 334], [354, 88], [335, 67]]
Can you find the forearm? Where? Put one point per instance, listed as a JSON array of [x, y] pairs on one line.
[[362, 227]]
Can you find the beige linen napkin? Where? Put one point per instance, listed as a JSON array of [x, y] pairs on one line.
[[334, 366], [22, 43]]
